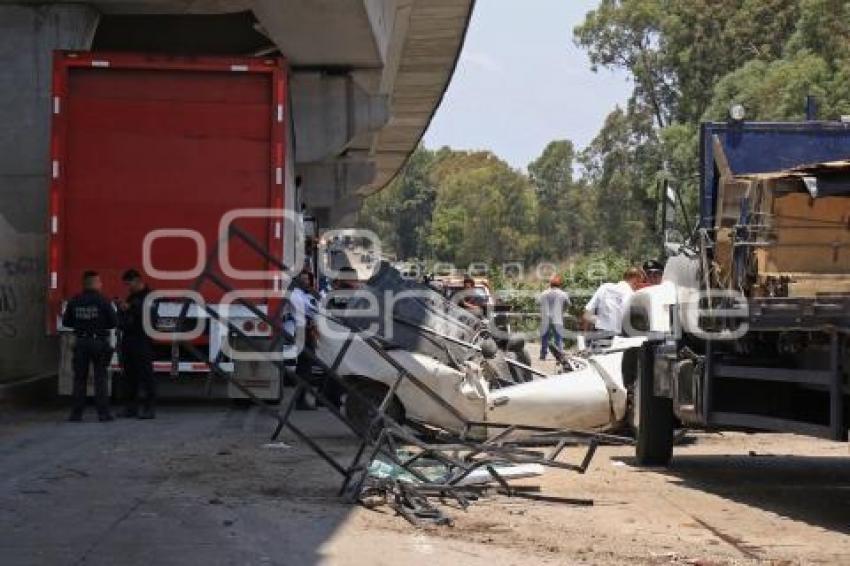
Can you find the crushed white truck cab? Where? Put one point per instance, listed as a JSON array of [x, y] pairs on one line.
[[447, 351], [590, 395]]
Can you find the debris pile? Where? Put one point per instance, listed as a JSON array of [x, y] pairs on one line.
[[393, 465]]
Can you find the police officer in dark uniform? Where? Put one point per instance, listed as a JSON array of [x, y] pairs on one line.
[[92, 317], [136, 347]]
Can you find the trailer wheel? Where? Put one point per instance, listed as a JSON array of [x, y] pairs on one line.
[[651, 416], [373, 393]]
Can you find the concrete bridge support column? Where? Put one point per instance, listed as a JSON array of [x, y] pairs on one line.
[[28, 35]]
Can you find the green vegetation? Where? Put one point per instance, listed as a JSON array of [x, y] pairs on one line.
[[689, 60], [465, 207]]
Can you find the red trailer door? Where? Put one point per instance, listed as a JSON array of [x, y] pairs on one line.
[[143, 143]]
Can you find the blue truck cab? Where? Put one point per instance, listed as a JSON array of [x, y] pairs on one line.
[[774, 228]]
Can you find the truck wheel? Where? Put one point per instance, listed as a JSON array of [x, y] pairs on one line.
[[373, 393], [651, 416]]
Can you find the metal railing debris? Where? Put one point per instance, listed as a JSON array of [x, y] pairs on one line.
[[458, 453]]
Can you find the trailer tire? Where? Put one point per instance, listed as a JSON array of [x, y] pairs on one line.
[[358, 412], [652, 417]]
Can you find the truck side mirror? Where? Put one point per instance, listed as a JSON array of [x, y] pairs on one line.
[[673, 241]]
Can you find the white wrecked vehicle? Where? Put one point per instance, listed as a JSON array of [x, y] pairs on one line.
[[453, 354]]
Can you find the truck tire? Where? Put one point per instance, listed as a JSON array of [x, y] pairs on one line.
[[652, 417], [358, 412]]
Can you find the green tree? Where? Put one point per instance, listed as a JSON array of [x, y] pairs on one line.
[[676, 50], [622, 166], [401, 213], [703, 40], [689, 60], [484, 212], [823, 28], [624, 34], [562, 221], [814, 62], [775, 90]]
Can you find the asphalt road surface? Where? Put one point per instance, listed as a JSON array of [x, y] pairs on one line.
[[199, 485]]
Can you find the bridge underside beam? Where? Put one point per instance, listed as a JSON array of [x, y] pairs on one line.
[[367, 76]]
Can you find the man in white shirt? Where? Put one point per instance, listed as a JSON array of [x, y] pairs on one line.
[[605, 309], [552, 302], [299, 313], [301, 308]]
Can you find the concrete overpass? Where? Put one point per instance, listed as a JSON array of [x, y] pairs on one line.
[[367, 77]]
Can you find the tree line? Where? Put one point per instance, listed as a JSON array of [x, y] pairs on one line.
[[689, 62]]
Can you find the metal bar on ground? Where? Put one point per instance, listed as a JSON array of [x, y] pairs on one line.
[[290, 406]]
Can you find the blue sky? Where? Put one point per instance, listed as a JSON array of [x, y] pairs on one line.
[[521, 82]]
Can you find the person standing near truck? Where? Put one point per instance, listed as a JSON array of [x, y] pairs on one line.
[[552, 302], [136, 347], [299, 323], [92, 317], [605, 309], [653, 271]]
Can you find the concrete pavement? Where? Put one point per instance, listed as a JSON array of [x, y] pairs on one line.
[[199, 485], [152, 492]]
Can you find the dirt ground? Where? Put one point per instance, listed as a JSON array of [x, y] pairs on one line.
[[731, 499], [200, 485]]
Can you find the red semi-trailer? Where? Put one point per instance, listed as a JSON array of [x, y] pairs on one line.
[[146, 143]]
